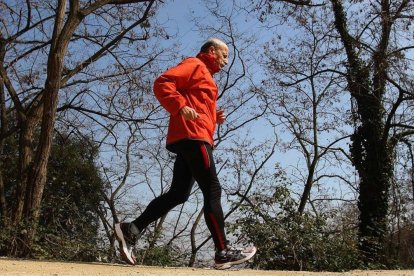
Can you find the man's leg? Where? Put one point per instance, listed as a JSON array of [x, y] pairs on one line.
[[128, 233], [199, 158], [179, 192]]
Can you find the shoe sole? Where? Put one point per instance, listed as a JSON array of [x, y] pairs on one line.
[[123, 248], [230, 264]]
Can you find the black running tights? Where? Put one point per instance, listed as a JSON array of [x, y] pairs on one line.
[[194, 162]]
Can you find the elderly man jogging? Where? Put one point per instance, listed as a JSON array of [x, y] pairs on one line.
[[189, 93]]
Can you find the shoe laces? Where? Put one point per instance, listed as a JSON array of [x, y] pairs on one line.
[[230, 251], [233, 249]]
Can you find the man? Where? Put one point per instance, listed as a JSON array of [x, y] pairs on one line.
[[189, 93]]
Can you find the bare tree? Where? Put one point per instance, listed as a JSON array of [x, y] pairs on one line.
[[372, 35], [303, 91], [53, 49]]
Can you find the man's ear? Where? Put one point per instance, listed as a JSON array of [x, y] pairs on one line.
[[211, 50]]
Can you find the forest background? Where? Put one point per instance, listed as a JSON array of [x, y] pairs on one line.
[[315, 159]]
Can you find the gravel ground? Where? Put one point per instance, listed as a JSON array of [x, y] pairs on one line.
[[34, 267]]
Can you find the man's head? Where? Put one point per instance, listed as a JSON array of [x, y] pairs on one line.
[[218, 49]]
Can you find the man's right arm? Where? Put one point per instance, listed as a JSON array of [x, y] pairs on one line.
[[166, 89], [188, 113]]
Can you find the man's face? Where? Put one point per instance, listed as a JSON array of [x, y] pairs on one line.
[[221, 53]]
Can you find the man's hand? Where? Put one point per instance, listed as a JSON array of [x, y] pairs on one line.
[[220, 116], [188, 113]]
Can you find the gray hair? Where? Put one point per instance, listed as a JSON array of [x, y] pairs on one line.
[[215, 42]]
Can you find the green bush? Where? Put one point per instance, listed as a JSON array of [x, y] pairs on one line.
[[157, 256], [289, 241], [69, 222]]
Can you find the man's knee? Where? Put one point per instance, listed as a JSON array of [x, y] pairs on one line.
[[182, 198]]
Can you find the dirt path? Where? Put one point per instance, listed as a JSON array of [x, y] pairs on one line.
[[31, 267]]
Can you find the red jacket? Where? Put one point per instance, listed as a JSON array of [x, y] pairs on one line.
[[190, 83]]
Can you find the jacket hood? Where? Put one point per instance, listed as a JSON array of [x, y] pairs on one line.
[[210, 61]]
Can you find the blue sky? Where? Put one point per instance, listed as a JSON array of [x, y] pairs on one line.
[[178, 14]]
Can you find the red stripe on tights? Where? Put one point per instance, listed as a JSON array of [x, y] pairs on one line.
[[206, 157], [217, 232]]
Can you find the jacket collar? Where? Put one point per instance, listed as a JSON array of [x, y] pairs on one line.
[[210, 61]]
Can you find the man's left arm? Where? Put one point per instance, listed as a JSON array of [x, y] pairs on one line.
[[220, 116]]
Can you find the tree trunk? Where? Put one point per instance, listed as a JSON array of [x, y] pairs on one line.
[[373, 161], [3, 130], [38, 173], [370, 151], [311, 162], [25, 160], [194, 249], [308, 187], [3, 126]]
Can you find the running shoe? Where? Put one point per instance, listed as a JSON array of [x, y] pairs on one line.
[[126, 241], [233, 256]]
